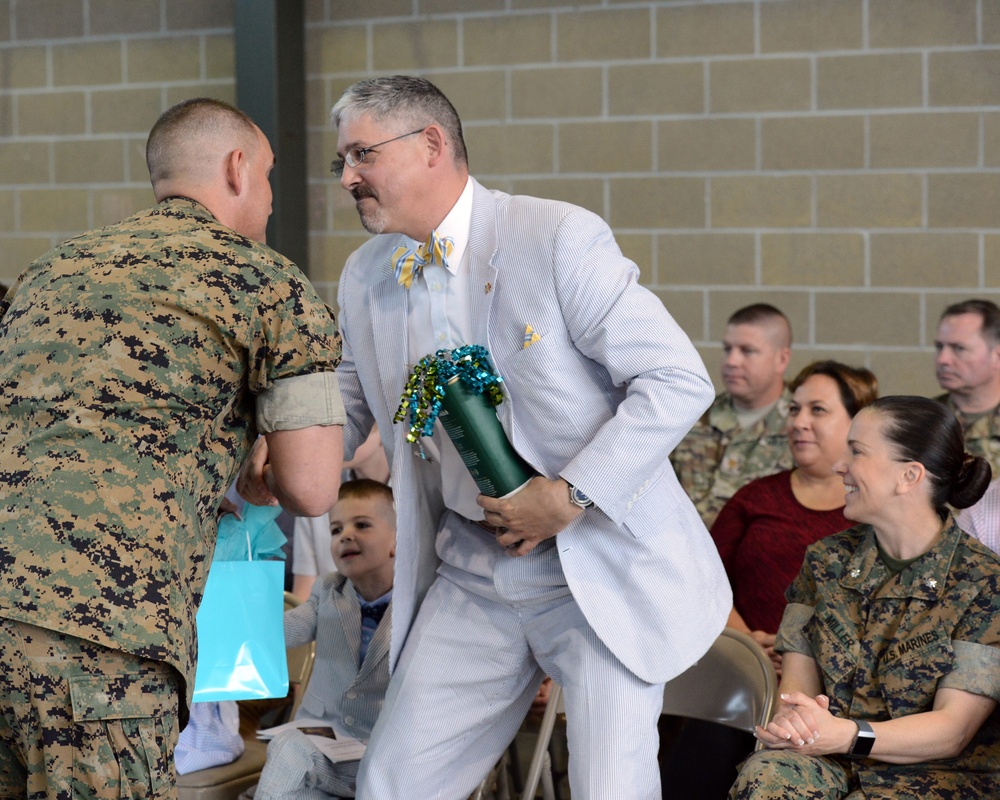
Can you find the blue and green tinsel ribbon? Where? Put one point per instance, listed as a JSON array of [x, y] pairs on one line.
[[426, 385]]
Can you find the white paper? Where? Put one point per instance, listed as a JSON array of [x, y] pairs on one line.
[[266, 734], [342, 748], [339, 749]]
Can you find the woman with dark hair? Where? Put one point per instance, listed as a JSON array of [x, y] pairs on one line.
[[891, 637], [763, 531]]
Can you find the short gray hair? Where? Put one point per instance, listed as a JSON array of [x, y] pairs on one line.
[[404, 99]]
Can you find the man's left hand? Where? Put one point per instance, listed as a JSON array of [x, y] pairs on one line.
[[536, 513]]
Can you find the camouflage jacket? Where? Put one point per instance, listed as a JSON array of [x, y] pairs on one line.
[[885, 645], [130, 359], [982, 437], [717, 457]]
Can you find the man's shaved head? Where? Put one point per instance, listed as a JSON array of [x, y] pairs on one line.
[[188, 139]]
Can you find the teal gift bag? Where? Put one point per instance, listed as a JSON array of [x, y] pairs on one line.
[[241, 637]]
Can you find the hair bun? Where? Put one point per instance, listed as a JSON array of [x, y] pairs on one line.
[[971, 483]]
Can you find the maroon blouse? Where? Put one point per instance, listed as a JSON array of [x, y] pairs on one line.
[[762, 534]]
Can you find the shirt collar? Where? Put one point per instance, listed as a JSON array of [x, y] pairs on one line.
[[456, 225], [924, 578], [383, 599]]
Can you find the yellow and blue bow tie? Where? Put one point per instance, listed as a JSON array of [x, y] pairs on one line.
[[407, 262]]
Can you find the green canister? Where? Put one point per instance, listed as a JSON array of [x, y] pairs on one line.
[[472, 425]]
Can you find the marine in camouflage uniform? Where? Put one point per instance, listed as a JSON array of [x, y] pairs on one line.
[[137, 365], [885, 645], [982, 437], [717, 457]]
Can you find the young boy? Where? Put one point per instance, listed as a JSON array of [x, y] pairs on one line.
[[348, 614]]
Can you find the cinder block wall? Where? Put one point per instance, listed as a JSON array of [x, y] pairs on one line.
[[836, 157], [81, 84]]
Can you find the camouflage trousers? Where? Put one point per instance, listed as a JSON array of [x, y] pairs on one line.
[[780, 774], [81, 722]]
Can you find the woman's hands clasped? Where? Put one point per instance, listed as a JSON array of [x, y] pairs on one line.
[[805, 724]]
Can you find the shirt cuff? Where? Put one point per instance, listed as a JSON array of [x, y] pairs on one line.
[[977, 670], [302, 401]]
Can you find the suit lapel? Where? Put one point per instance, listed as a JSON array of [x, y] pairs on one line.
[[482, 274], [388, 312], [349, 611], [484, 280]]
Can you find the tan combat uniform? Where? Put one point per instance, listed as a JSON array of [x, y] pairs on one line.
[[982, 437], [717, 457], [137, 365], [885, 645]]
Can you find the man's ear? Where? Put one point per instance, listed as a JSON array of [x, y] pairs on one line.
[[436, 144], [995, 357], [784, 358], [235, 164]]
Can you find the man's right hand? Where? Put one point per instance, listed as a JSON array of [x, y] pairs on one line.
[[252, 480]]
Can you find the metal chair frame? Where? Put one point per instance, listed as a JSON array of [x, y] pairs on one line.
[[733, 684]]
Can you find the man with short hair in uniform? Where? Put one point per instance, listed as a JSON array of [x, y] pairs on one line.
[[742, 436], [138, 363], [968, 369]]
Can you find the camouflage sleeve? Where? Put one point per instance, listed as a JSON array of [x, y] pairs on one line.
[[294, 332], [802, 598], [791, 633], [976, 639], [977, 670]]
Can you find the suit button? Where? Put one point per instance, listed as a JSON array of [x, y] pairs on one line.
[[351, 695], [348, 720]]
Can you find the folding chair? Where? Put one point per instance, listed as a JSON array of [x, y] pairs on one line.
[[733, 684], [498, 785]]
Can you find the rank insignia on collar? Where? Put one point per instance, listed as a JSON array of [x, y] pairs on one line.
[[931, 583], [855, 573]]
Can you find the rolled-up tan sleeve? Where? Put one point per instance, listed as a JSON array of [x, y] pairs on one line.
[[791, 633], [977, 670], [301, 401]]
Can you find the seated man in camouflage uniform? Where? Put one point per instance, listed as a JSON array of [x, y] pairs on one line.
[[968, 369], [741, 437], [137, 365]]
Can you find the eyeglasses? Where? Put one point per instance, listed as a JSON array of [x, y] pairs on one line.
[[356, 156]]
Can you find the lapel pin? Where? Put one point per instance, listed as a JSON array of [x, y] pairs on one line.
[[489, 287]]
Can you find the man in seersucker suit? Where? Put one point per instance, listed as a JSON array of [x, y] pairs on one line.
[[599, 571]]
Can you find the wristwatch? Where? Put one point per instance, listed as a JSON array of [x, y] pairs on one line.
[[861, 747], [578, 498]]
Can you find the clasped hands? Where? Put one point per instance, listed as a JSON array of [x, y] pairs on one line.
[[805, 724]]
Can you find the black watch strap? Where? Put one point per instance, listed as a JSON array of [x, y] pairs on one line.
[[864, 741]]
